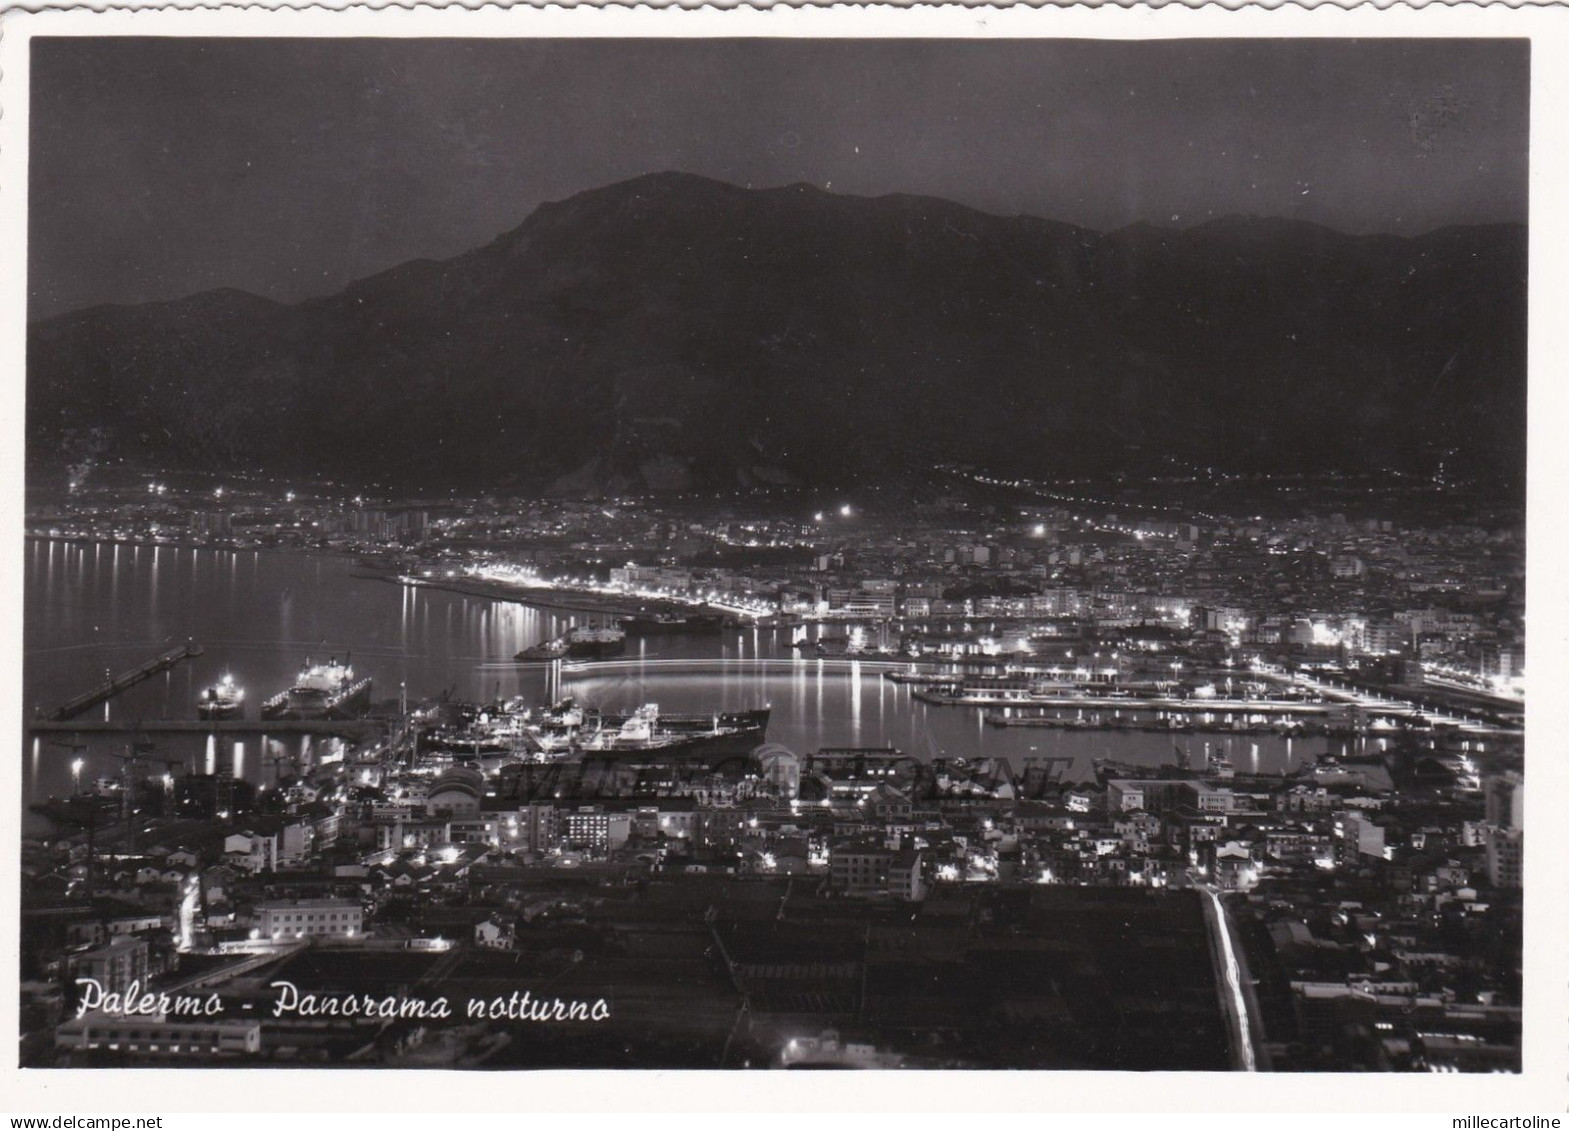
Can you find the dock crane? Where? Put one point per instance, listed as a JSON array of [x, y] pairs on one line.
[[135, 752]]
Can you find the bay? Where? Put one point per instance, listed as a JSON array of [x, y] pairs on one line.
[[92, 607]]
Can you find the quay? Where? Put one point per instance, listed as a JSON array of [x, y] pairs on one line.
[[116, 684], [343, 728], [1326, 727], [1135, 703]]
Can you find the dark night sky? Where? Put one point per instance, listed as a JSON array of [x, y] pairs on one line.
[[161, 167]]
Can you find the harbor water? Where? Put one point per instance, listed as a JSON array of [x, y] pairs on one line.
[[93, 607]]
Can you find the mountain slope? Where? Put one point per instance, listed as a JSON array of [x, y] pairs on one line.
[[673, 332]]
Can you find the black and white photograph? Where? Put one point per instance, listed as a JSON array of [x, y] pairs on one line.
[[774, 553]]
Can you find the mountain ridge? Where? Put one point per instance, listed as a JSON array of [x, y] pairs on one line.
[[677, 332], [675, 175]]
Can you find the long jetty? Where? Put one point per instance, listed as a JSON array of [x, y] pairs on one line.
[[344, 728], [116, 684]]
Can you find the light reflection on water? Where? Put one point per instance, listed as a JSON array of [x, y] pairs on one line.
[[91, 607]]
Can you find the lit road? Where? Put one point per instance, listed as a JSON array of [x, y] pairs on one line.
[[1486, 695], [721, 664], [1235, 994], [1376, 703]]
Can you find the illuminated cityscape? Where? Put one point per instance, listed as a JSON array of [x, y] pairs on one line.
[[1331, 763], [813, 611]]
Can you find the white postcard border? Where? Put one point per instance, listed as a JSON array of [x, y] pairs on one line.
[[1543, 1086]]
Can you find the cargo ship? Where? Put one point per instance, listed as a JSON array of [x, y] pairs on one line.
[[223, 700], [585, 643], [710, 738], [321, 691]]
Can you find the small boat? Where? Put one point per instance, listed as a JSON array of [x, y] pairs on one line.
[[223, 700]]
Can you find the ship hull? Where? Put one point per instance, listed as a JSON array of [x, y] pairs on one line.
[[540, 654], [684, 725], [595, 649], [298, 704], [456, 744], [737, 738]]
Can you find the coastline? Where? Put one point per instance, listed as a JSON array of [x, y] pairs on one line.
[[545, 598]]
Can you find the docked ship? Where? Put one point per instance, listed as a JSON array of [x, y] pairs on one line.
[[321, 691], [223, 700], [1217, 763], [673, 624], [587, 643], [467, 733], [475, 742], [554, 729], [711, 738]]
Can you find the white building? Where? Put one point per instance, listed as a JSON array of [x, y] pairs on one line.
[[160, 1036], [296, 918], [1505, 857], [1359, 837], [251, 852]]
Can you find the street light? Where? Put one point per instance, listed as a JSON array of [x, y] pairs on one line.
[[76, 775]]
